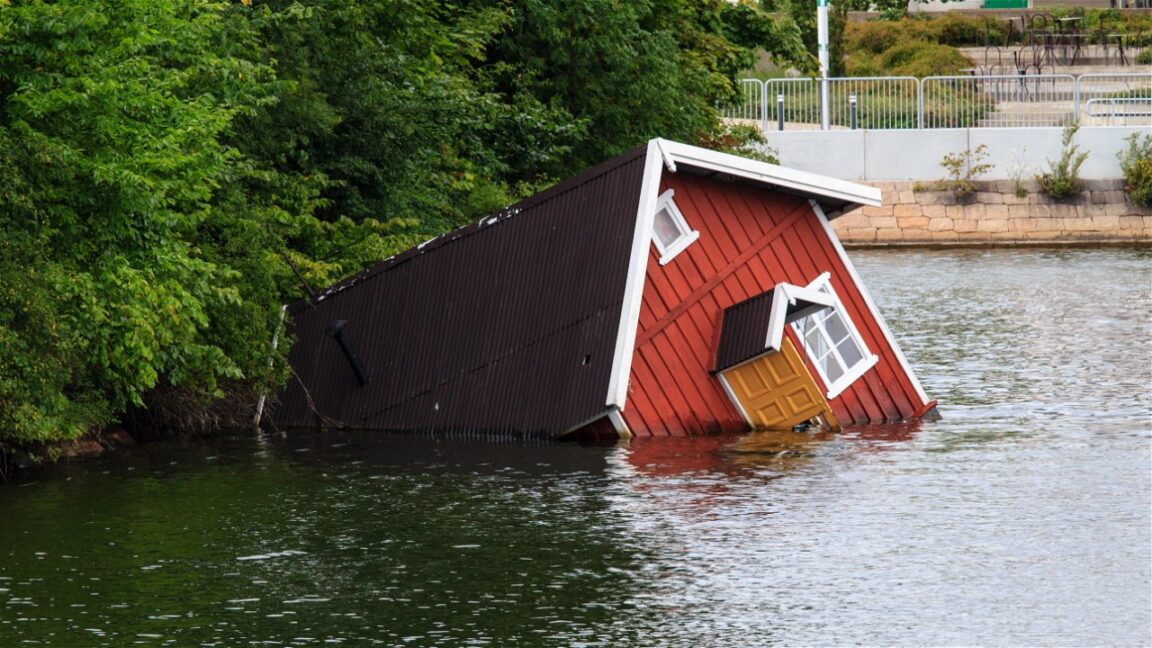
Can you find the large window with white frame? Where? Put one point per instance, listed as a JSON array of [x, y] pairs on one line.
[[670, 232], [833, 343]]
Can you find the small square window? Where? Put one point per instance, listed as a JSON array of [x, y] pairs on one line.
[[670, 232]]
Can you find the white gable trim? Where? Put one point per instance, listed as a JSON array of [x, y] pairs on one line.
[[811, 184], [785, 295], [871, 304], [634, 283]]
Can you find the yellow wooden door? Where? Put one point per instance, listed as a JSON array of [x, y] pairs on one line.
[[777, 392]]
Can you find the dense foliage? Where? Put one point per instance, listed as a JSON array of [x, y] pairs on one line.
[[1136, 163], [172, 172], [1062, 179]]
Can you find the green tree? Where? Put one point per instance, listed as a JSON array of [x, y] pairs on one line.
[[378, 111], [172, 172], [110, 161]]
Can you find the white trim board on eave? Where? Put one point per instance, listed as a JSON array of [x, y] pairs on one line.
[[634, 282], [895, 346], [812, 185]]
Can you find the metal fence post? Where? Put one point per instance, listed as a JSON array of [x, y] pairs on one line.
[[1076, 100], [780, 111], [920, 104], [852, 109], [764, 106]]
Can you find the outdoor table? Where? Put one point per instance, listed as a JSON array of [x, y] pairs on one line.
[[1119, 40], [1069, 39]]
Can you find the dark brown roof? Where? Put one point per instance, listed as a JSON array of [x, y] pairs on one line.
[[744, 333], [745, 328], [506, 325]]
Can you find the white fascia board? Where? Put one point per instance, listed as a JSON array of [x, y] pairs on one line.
[[786, 295], [637, 271], [811, 185], [871, 304]]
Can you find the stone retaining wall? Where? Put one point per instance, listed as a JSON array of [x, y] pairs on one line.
[[914, 215]]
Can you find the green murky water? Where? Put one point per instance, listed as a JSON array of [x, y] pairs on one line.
[[1022, 518]]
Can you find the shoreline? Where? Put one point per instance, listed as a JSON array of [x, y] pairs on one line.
[[915, 215]]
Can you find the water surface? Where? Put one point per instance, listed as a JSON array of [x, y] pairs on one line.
[[1022, 518]]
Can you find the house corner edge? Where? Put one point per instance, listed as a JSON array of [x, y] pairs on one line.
[[634, 283]]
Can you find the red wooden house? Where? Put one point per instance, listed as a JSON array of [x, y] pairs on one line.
[[672, 290]]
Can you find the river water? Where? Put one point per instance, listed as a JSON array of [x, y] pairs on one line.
[[1022, 518]]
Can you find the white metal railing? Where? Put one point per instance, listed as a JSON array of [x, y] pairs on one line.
[[998, 101], [1115, 99]]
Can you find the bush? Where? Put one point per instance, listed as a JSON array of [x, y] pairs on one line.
[[963, 168], [1136, 163], [923, 59], [965, 31], [1063, 178]]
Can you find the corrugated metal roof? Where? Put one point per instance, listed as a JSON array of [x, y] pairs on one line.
[[744, 330], [756, 325], [506, 325]]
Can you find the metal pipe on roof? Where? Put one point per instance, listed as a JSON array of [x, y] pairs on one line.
[[335, 330]]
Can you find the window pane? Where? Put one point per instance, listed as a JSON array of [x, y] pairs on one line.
[[850, 352], [813, 339], [836, 328], [666, 230], [833, 369]]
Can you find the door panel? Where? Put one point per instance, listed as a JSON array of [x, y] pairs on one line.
[[776, 390]]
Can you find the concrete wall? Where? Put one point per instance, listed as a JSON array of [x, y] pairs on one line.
[[995, 215], [899, 155]]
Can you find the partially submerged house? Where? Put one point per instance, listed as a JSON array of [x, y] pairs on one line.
[[671, 290]]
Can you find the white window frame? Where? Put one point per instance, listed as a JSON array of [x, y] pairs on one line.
[[687, 236], [849, 374]]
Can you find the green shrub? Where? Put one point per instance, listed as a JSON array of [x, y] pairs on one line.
[[963, 168], [1136, 163], [1063, 177], [923, 59], [963, 31]]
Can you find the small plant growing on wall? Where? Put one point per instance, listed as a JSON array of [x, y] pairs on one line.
[[1016, 171], [963, 168], [1136, 163], [1063, 177]]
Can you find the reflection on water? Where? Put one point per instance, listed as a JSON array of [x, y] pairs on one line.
[[1021, 518]]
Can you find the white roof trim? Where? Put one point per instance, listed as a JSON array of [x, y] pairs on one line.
[[634, 283], [785, 295], [668, 161], [812, 185], [871, 304]]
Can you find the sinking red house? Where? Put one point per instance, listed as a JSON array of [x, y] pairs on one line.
[[672, 290]]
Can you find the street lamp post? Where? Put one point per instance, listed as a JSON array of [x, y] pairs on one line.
[[822, 51]]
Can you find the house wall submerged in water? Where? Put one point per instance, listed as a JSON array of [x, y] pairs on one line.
[[672, 290]]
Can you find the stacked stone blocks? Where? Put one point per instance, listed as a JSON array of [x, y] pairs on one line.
[[916, 214]]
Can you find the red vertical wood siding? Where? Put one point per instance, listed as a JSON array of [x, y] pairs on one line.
[[750, 240]]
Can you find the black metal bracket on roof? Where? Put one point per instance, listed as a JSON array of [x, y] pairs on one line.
[[335, 330]]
